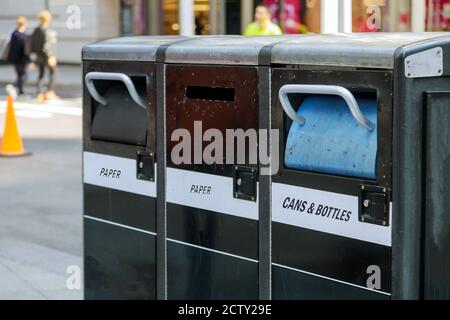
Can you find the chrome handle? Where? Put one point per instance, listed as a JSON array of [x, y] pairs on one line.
[[91, 76], [322, 90]]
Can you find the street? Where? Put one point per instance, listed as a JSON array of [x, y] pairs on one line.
[[41, 202]]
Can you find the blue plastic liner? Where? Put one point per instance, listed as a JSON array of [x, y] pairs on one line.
[[331, 141]]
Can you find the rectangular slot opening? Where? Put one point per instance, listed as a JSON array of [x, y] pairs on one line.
[[210, 93]]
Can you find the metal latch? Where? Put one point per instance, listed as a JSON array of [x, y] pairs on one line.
[[145, 165], [244, 183], [374, 205]]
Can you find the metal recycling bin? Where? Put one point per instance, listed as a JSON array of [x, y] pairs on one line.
[[357, 209], [119, 180], [212, 209], [360, 204]]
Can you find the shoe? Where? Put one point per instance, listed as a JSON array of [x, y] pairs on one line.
[[41, 98], [51, 95], [11, 91]]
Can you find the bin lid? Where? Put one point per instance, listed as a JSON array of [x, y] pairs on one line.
[[370, 50], [223, 50], [140, 48]]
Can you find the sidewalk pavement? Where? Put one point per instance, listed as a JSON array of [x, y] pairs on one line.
[[41, 197]]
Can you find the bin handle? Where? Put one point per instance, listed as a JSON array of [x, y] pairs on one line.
[[322, 90], [91, 76]]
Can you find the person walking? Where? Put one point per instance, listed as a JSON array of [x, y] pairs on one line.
[[263, 25], [43, 48], [17, 54]]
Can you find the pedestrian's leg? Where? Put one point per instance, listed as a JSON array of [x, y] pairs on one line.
[[21, 71], [40, 81], [51, 83], [17, 70], [41, 94]]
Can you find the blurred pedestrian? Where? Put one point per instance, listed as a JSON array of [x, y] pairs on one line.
[[263, 25], [17, 54], [43, 48]]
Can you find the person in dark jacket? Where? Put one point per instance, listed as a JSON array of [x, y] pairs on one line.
[[43, 49], [18, 54]]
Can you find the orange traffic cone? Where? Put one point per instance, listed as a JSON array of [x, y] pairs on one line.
[[11, 144]]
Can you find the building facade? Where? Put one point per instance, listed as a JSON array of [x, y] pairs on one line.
[[76, 21], [81, 21]]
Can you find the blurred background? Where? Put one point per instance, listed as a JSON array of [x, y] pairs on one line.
[[112, 18]]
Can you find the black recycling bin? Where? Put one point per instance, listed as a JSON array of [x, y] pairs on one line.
[[360, 204], [353, 205], [119, 169], [212, 83]]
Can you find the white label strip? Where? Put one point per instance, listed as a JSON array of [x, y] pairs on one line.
[[115, 173], [326, 212], [207, 192]]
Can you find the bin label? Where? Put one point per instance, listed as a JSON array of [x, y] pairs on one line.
[[207, 192], [327, 212], [115, 173]]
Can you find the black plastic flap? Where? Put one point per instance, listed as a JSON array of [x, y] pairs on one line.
[[121, 119]]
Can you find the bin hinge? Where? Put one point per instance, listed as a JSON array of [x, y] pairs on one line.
[[245, 183], [374, 205], [145, 162]]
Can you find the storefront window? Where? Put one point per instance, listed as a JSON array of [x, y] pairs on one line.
[[202, 20], [381, 15], [296, 16], [133, 17], [438, 15], [171, 24], [171, 17]]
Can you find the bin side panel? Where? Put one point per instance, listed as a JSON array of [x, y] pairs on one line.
[[437, 217]]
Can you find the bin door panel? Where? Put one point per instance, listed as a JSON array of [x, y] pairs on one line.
[[212, 223], [217, 97], [331, 199], [119, 182], [437, 210]]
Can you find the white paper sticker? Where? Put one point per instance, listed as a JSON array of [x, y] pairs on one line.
[[207, 192], [115, 173]]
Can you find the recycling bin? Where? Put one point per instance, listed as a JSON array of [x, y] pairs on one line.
[[119, 180], [360, 203], [212, 87]]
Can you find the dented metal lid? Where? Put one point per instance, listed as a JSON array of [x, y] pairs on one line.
[[142, 48], [369, 50]]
